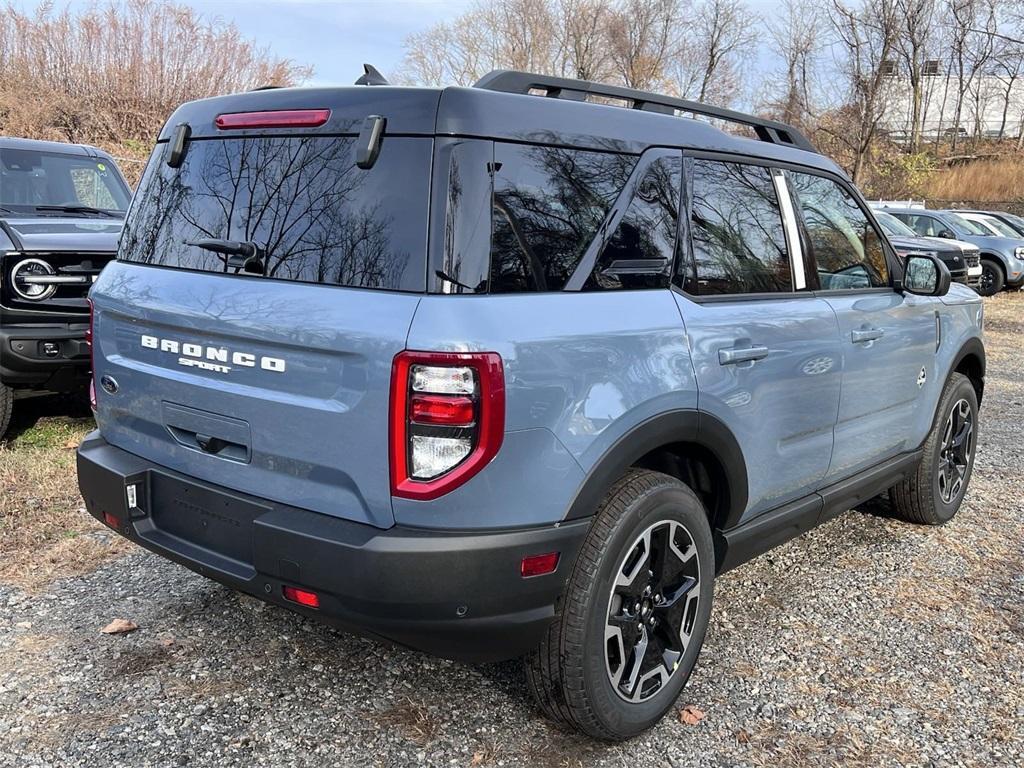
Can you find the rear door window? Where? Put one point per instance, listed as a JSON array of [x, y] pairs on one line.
[[739, 244], [640, 251], [549, 203], [301, 200], [843, 242]]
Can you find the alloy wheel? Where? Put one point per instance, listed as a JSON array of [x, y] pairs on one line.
[[652, 610], [956, 451], [987, 281]]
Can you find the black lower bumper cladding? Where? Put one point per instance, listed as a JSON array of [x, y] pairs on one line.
[[457, 594]]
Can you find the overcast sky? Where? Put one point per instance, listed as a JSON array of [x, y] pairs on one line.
[[337, 36]]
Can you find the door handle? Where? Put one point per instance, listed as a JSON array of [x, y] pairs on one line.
[[865, 335], [747, 355]]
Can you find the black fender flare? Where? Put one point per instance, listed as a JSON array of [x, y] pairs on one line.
[[973, 347], [681, 426]]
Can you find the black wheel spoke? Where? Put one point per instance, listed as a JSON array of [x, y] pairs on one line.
[[955, 451], [650, 610]]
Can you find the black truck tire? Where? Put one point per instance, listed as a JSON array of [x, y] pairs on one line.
[[932, 494], [6, 406], [571, 673]]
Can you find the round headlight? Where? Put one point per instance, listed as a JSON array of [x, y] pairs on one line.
[[23, 280]]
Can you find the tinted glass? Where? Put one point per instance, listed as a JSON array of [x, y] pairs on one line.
[[845, 246], [29, 179], [924, 226], [549, 203], [313, 214], [893, 226], [964, 226], [739, 245], [639, 253]]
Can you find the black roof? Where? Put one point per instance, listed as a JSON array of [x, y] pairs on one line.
[[496, 109], [35, 145]]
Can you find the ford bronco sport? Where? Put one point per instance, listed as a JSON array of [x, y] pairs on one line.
[[61, 211], [489, 374]]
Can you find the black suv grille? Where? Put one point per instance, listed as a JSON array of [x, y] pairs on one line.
[[972, 258], [49, 282]]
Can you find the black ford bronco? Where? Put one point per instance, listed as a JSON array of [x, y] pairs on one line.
[[61, 211]]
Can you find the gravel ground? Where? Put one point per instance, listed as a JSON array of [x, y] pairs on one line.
[[866, 642]]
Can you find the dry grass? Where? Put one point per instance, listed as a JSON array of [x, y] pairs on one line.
[[45, 532], [992, 180]]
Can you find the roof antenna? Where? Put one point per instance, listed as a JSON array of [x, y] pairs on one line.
[[371, 76]]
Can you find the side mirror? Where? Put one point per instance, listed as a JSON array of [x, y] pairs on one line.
[[925, 275], [947, 234]]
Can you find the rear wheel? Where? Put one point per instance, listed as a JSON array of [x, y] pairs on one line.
[[992, 277], [933, 494], [6, 405], [631, 623]]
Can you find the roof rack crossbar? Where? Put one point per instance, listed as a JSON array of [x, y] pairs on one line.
[[510, 81]]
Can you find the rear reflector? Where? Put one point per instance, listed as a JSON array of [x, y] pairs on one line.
[[301, 596], [538, 565], [282, 118], [111, 520]]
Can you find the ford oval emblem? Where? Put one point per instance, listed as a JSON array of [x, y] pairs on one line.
[[109, 384]]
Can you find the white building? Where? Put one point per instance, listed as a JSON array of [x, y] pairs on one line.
[[993, 105]]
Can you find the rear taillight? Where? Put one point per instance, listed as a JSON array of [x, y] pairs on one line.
[[92, 357], [447, 419], [281, 118]]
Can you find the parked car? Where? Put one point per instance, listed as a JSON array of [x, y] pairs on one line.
[[1015, 222], [1002, 258], [991, 224], [963, 260], [61, 211], [489, 375]]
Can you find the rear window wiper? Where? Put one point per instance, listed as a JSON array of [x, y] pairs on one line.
[[78, 209], [241, 254]]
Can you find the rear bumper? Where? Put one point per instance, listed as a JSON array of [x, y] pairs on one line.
[[458, 594], [44, 356]]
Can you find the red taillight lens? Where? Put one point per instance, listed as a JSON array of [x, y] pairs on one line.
[[301, 596], [111, 520], [447, 419], [538, 565], [442, 409], [92, 357], [281, 118]]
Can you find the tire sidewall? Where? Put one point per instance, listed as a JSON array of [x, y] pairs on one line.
[[669, 502], [960, 389], [998, 281]]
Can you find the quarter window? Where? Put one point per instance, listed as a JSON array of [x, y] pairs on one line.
[[844, 245], [739, 245]]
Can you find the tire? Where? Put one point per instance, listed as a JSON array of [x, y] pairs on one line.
[[571, 673], [6, 406], [993, 280], [933, 493]]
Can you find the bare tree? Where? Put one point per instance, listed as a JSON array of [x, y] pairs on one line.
[[583, 52], [798, 37], [642, 36], [866, 37], [914, 45]]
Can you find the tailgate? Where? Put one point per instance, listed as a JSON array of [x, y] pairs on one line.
[[274, 388]]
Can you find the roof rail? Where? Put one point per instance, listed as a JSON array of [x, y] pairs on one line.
[[510, 81]]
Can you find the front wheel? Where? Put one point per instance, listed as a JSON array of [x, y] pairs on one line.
[[933, 493], [6, 406], [992, 278], [631, 623]]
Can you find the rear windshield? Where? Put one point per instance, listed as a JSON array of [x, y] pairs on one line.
[[301, 201]]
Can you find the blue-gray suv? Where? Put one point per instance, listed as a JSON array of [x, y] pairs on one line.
[[489, 374], [1002, 258]]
